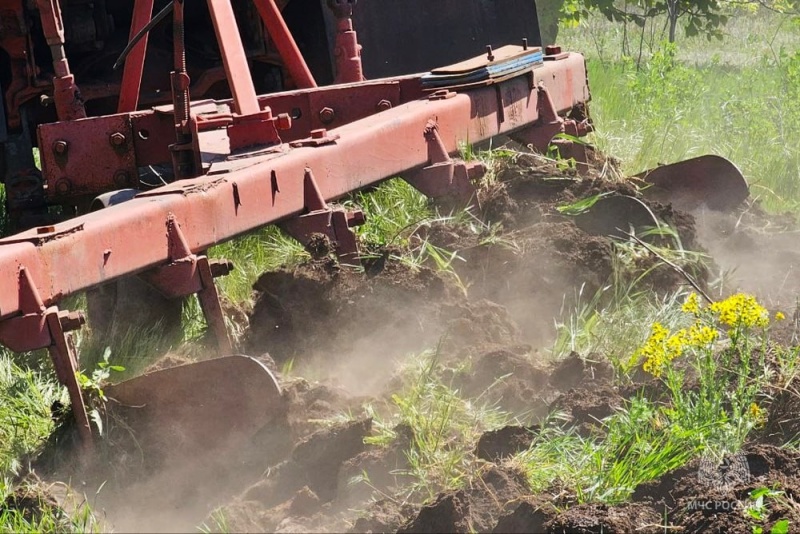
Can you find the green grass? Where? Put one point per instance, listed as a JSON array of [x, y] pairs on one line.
[[25, 419], [443, 425], [632, 450], [253, 254], [738, 98]]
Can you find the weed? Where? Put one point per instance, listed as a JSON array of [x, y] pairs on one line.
[[723, 404], [581, 206], [442, 426], [219, 523], [634, 449], [26, 396], [92, 386], [758, 506]]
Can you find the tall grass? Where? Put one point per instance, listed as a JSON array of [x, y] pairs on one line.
[[632, 450], [442, 426], [738, 98], [26, 396]]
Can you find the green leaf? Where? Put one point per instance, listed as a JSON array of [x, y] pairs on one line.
[[758, 493], [780, 527], [581, 206]]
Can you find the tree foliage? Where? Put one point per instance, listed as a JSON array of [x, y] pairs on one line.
[[700, 16], [706, 17]]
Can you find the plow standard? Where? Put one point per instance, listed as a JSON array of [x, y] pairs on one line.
[[168, 182]]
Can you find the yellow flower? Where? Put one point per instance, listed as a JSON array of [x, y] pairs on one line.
[[758, 415], [780, 316], [701, 336], [692, 304], [658, 332], [676, 343], [740, 310], [661, 348]]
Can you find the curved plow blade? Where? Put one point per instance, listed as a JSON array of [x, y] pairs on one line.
[[708, 180], [615, 216], [192, 409]]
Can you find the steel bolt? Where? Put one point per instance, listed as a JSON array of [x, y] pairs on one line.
[[384, 105], [71, 320], [220, 267], [60, 147], [283, 121], [321, 133], [63, 186], [117, 139], [327, 115], [489, 53]]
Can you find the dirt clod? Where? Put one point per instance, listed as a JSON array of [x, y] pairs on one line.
[[495, 445]]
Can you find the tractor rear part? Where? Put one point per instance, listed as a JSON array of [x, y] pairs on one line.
[[250, 161]]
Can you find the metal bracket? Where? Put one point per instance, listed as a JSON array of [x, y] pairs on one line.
[[38, 328], [320, 218], [318, 137], [541, 133], [188, 274], [444, 179]]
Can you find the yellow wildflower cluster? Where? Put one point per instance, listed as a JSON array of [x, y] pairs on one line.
[[661, 347], [740, 310], [701, 335], [692, 304], [758, 415]]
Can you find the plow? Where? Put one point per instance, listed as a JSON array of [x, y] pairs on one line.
[[188, 144]]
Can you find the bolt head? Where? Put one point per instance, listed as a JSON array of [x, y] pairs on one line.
[[384, 105], [327, 115], [63, 186], [60, 147], [283, 121], [117, 139]]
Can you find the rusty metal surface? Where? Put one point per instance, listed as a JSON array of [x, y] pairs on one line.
[[134, 64], [189, 409], [131, 237], [102, 165], [86, 156], [234, 57], [709, 180]]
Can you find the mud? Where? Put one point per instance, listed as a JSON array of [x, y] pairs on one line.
[[322, 315], [348, 331]]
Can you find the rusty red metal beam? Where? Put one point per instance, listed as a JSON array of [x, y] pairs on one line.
[[285, 43], [134, 63], [233, 57], [260, 188]]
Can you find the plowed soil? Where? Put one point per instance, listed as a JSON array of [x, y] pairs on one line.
[[347, 331]]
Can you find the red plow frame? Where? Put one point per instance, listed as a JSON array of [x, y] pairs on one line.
[[246, 163]]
